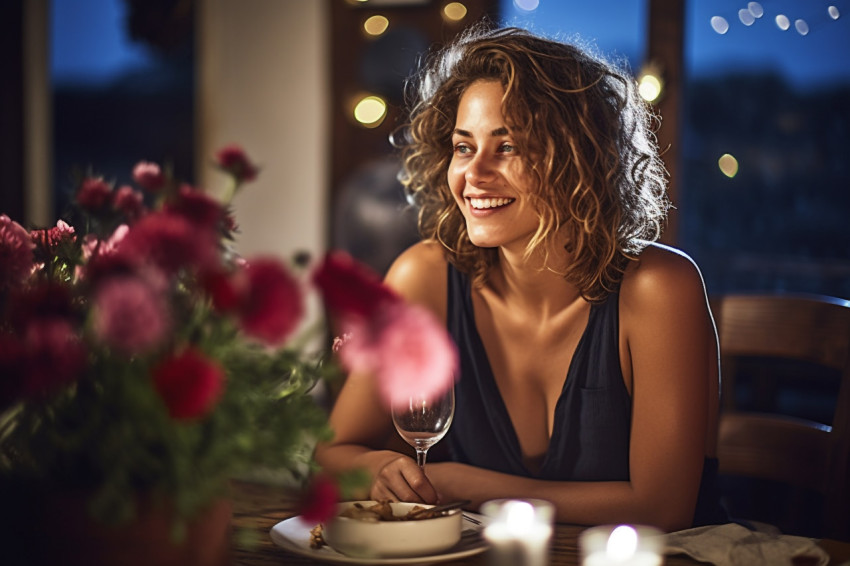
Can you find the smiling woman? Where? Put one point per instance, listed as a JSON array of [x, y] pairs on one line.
[[588, 358]]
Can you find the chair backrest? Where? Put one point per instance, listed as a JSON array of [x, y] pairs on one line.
[[798, 453]]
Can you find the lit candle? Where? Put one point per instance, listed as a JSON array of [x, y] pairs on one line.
[[519, 531], [621, 545]]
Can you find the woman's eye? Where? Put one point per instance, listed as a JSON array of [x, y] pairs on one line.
[[462, 148], [507, 148]]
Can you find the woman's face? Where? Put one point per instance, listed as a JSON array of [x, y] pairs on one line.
[[486, 175]]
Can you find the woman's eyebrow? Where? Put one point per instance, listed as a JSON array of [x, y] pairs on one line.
[[502, 131]]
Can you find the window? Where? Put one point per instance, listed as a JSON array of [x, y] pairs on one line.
[[122, 79], [765, 141]]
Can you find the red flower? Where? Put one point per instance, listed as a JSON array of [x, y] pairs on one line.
[[273, 303], [16, 253], [170, 242], [55, 356], [149, 176], [94, 194], [129, 202], [233, 160], [319, 501], [189, 383], [350, 288], [197, 207], [227, 292]]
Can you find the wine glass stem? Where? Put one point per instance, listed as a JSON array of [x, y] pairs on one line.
[[421, 453]]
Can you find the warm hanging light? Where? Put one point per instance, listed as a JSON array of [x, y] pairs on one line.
[[376, 25], [650, 82], [370, 111], [454, 11]]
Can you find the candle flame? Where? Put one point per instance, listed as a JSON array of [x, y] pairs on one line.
[[622, 544]]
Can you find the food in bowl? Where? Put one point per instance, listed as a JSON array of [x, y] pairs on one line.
[[391, 529]]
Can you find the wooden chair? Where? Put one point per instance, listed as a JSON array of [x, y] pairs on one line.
[[799, 455]]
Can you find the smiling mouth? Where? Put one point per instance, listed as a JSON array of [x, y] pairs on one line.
[[484, 203]]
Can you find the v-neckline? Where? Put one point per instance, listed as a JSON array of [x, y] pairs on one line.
[[494, 392]]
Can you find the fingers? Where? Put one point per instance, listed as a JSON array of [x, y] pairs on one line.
[[402, 480]]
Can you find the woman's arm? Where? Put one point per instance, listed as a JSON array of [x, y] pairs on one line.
[[364, 434], [665, 336]]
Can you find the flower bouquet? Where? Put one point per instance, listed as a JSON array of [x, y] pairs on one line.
[[141, 356]]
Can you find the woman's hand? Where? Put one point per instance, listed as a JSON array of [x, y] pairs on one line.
[[402, 480]]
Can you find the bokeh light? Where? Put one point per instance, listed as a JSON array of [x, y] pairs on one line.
[[755, 9], [746, 16], [833, 12], [527, 5], [454, 11], [719, 24], [782, 22], [376, 25], [649, 87], [802, 27], [370, 111], [728, 165]]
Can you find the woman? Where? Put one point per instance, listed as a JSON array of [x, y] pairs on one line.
[[589, 358]]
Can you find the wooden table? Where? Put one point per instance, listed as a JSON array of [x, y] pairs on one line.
[[258, 507]]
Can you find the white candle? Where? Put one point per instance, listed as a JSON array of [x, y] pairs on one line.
[[621, 545], [519, 531]]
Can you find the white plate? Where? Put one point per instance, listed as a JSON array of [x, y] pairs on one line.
[[293, 534]]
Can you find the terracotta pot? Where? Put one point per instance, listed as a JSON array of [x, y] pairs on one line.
[[61, 532]]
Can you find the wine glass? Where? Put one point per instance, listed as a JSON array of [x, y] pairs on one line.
[[422, 421]]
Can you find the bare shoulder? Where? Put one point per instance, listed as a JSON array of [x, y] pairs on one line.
[[419, 275], [662, 277]]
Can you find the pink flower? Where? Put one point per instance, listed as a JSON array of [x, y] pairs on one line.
[[149, 176], [227, 292], [319, 501], [94, 194], [350, 288], [189, 384], [273, 304], [197, 207], [49, 242], [16, 253], [129, 202], [129, 315], [406, 347], [170, 242], [233, 159]]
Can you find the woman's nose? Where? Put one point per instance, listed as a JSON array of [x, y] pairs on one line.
[[480, 169]]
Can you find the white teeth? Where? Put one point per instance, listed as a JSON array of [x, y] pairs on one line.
[[489, 202]]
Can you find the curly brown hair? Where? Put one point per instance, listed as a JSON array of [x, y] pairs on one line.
[[583, 132]]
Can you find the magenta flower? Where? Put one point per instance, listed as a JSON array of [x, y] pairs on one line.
[[129, 202], [129, 315], [318, 504], [350, 288], [94, 194], [197, 207], [55, 356], [170, 242], [149, 176], [189, 384], [16, 253], [406, 348], [233, 159], [273, 304]]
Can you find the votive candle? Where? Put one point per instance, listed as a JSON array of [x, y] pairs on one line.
[[621, 545], [519, 531]]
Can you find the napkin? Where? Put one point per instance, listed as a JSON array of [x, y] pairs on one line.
[[732, 544]]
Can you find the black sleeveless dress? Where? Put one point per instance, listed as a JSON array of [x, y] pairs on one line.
[[590, 441]]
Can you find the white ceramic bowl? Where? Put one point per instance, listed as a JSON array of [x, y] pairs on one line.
[[386, 539]]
